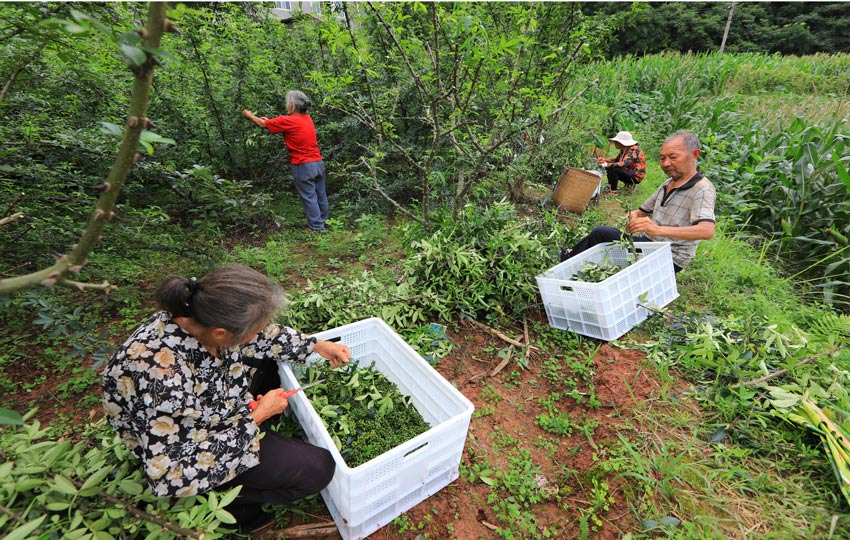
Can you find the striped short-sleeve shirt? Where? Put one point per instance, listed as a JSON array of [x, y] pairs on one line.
[[689, 204]]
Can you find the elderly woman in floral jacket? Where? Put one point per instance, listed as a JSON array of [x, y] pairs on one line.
[[178, 393], [629, 166]]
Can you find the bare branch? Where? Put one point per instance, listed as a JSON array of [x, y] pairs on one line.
[[14, 217], [377, 188], [419, 84], [105, 286]]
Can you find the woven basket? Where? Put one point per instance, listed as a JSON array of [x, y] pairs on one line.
[[575, 189]]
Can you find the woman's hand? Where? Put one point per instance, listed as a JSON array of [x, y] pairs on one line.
[[250, 116], [335, 353], [269, 404]]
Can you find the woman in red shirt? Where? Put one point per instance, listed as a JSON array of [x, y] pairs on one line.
[[308, 170]]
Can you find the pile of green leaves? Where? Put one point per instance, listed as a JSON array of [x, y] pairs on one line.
[[90, 489], [364, 412], [592, 272], [482, 264]]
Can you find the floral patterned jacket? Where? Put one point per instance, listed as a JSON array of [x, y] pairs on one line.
[[633, 160], [183, 411]]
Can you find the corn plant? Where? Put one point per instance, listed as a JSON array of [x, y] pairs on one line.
[[831, 424], [791, 189]]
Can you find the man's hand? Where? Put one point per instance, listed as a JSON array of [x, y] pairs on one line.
[[642, 225], [335, 353], [703, 230]]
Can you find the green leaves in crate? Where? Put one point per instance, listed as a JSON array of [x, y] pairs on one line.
[[364, 412], [592, 272]]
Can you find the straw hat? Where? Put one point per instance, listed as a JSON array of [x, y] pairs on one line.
[[624, 138]]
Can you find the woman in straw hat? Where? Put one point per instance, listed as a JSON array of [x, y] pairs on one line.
[[628, 167]]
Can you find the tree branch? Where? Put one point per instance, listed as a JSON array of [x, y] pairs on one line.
[[377, 188], [141, 514], [14, 217], [783, 372], [103, 213], [20, 68]]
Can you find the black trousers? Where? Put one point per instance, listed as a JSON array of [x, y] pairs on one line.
[[289, 469], [618, 174], [600, 235]]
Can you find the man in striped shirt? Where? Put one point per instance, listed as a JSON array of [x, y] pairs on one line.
[[681, 211]]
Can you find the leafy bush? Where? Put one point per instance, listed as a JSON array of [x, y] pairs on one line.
[[482, 265], [93, 490]]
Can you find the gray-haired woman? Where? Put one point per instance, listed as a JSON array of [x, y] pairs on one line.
[[178, 394], [308, 169]]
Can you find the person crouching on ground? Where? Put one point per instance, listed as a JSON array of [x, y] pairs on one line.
[[178, 390], [681, 209], [308, 169], [628, 167]]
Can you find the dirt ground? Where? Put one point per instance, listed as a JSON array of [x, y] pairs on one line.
[[460, 511]]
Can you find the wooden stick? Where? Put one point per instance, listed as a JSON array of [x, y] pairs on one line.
[[490, 526], [783, 372], [14, 217], [527, 340], [502, 364], [309, 530], [475, 378], [495, 332]]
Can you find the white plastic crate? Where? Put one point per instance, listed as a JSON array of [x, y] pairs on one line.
[[365, 498], [609, 309]]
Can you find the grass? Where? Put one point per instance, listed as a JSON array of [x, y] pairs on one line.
[[757, 479], [718, 490]]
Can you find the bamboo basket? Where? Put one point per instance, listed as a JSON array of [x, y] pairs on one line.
[[575, 189]]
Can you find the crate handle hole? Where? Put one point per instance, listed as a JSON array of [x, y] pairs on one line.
[[566, 288], [418, 448], [334, 339]]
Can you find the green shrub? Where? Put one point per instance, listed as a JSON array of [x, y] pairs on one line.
[[93, 490]]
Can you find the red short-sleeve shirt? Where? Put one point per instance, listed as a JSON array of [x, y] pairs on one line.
[[299, 135]]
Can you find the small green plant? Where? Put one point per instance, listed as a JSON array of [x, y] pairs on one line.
[[490, 394], [559, 424], [84, 379]]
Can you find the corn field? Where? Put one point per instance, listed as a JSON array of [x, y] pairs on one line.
[[775, 134]]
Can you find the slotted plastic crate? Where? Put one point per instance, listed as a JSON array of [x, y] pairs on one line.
[[609, 309], [365, 498]]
